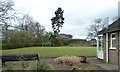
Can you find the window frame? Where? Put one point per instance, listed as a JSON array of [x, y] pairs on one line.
[[111, 40], [100, 47]]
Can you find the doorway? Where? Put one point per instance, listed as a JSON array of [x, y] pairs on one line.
[[100, 47]]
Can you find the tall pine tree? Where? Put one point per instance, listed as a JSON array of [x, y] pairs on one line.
[[57, 22]]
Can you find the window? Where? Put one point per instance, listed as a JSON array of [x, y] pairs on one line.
[[100, 38], [113, 41]]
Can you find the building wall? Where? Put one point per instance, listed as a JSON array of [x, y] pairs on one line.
[[104, 47], [113, 53]]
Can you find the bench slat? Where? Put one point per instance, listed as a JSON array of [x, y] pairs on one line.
[[18, 57]]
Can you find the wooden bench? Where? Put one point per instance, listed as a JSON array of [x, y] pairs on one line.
[[18, 57]]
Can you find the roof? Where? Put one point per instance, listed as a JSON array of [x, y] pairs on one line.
[[68, 35], [115, 26]]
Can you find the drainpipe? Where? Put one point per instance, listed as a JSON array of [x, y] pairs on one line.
[[97, 45], [119, 49], [106, 47]]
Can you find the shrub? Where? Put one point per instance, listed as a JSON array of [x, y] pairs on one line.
[[63, 41], [41, 67], [9, 68], [10, 46], [83, 59], [68, 60], [17, 40]]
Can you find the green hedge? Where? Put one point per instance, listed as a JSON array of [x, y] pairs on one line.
[[13, 46]]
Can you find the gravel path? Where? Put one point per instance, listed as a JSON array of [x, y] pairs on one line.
[[92, 64], [87, 66]]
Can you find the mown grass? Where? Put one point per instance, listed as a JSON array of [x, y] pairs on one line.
[[54, 51]]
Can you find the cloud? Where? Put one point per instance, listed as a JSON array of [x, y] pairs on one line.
[[119, 9], [78, 13]]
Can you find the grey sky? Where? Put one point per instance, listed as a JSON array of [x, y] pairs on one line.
[[78, 14]]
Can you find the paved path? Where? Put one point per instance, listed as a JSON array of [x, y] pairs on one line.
[[0, 65], [91, 61], [100, 63], [108, 66]]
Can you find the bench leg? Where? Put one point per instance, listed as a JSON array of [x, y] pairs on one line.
[[3, 63], [38, 59]]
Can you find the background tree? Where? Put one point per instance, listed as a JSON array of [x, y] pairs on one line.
[[27, 23], [7, 14], [97, 25], [57, 22], [18, 30]]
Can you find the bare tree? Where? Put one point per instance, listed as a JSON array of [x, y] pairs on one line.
[[97, 25], [39, 29], [6, 16], [115, 18], [17, 29], [26, 23]]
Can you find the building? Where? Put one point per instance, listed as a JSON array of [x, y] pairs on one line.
[[66, 36], [93, 42], [108, 43]]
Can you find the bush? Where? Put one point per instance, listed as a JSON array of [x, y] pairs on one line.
[[68, 60], [17, 40], [63, 41], [41, 67], [13, 46], [10, 46], [79, 42], [47, 44], [36, 66]]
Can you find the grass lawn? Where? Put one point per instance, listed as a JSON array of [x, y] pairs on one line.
[[54, 51]]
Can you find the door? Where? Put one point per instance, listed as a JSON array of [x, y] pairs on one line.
[[100, 47]]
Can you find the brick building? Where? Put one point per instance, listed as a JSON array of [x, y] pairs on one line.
[[108, 43], [66, 36]]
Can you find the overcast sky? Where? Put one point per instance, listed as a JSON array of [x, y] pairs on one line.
[[78, 14]]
